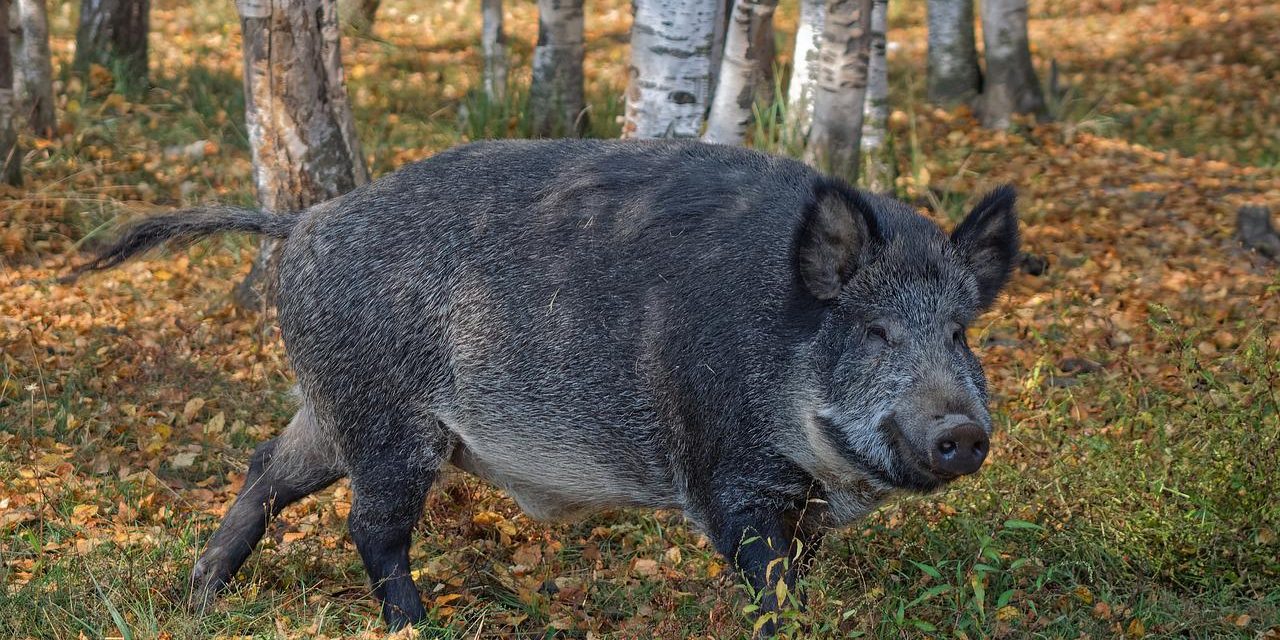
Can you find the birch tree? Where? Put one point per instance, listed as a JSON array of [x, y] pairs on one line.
[[1011, 85], [875, 115], [953, 75], [741, 71], [493, 41], [33, 79], [670, 71], [297, 116], [10, 154], [113, 33], [841, 91], [556, 101], [804, 69]]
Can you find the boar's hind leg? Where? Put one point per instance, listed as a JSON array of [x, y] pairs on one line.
[[390, 479], [282, 471]]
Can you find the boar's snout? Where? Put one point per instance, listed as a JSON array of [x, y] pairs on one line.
[[959, 446]]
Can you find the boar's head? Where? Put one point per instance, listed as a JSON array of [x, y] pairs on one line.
[[901, 401]]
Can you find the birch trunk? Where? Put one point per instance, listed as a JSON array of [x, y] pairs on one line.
[[336, 84], [113, 33], [953, 75], [301, 155], [765, 41], [33, 80], [841, 92], [670, 72], [875, 127], [556, 102], [741, 73], [10, 154], [493, 41], [1011, 85], [804, 70], [724, 9]]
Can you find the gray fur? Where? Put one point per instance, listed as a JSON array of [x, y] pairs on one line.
[[592, 324]]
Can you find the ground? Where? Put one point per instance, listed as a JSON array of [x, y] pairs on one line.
[[1136, 380]]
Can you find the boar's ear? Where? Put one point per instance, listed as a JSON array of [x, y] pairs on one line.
[[836, 228], [988, 240]]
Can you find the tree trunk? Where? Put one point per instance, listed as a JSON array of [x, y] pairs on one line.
[[724, 9], [493, 40], [336, 82], [841, 92], [670, 71], [113, 33], [954, 77], [765, 42], [875, 127], [302, 153], [10, 154], [740, 72], [1011, 85], [804, 69], [33, 82], [556, 102]]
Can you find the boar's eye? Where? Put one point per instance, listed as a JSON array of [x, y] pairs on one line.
[[879, 332], [957, 334]]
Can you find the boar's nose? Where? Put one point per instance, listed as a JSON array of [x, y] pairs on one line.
[[959, 448]]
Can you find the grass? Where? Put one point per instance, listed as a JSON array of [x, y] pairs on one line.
[[1131, 490]]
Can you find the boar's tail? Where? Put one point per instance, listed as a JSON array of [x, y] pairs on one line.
[[182, 228]]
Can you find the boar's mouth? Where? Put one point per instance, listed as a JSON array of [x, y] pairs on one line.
[[914, 471], [905, 468]]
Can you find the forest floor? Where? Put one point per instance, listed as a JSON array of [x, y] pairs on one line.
[[1132, 490]]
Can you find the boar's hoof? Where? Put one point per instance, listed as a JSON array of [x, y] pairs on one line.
[[208, 579]]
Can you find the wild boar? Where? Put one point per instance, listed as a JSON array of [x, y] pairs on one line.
[[600, 324]]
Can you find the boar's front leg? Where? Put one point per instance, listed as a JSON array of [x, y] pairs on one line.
[[767, 546]]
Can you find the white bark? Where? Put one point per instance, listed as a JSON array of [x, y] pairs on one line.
[[841, 93], [670, 69], [953, 75], [1011, 85], [301, 153], [493, 41], [556, 100], [804, 70], [740, 72], [33, 77], [875, 127], [10, 154]]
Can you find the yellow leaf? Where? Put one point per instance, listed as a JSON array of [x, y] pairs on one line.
[[1136, 629], [444, 599], [82, 513], [673, 556], [760, 622], [645, 567], [714, 569], [192, 407], [216, 423], [1007, 613]]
